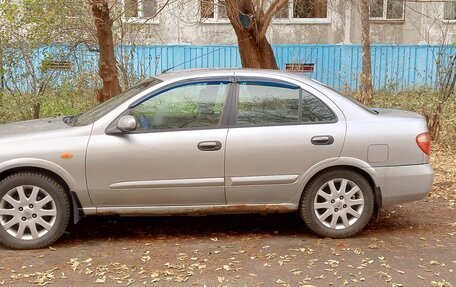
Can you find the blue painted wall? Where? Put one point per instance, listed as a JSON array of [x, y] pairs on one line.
[[395, 67]]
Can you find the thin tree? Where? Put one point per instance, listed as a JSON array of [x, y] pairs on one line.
[[2, 76], [365, 93], [251, 22], [107, 65]]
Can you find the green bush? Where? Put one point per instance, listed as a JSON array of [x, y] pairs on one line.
[[67, 102], [56, 102]]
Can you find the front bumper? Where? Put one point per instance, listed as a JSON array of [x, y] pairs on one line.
[[399, 184]]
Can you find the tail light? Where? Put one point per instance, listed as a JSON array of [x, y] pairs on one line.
[[424, 142]]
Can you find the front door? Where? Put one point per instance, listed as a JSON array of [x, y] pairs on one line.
[[175, 156]]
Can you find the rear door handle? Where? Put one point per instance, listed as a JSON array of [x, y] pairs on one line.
[[322, 140], [210, 146]]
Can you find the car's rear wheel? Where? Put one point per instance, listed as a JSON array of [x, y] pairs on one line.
[[34, 211], [337, 204]]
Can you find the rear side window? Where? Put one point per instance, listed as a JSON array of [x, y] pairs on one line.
[[262, 103], [314, 110], [265, 103]]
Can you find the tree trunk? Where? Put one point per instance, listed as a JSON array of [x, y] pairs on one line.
[[255, 54], [36, 110], [365, 95], [254, 47], [107, 65]]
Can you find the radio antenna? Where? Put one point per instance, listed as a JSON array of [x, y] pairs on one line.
[[188, 61], [183, 63]]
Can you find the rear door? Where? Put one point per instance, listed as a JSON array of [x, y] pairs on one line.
[[279, 132]]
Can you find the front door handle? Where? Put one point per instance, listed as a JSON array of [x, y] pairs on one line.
[[210, 146], [322, 140]]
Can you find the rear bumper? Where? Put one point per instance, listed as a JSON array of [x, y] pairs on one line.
[[399, 184]]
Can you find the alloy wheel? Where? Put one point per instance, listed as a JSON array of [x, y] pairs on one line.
[[338, 203], [27, 212]]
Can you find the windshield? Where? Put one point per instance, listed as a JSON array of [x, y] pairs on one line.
[[99, 111]]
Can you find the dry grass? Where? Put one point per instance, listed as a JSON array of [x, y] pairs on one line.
[[425, 103], [443, 160]]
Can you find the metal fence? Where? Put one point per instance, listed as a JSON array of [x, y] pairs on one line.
[[394, 67]]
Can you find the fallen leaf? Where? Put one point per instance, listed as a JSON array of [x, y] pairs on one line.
[[101, 280]]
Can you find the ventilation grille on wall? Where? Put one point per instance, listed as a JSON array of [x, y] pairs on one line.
[[300, 68], [56, 65]]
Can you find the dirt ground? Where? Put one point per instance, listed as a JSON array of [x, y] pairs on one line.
[[412, 245]]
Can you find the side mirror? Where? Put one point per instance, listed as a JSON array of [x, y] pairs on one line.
[[127, 123]]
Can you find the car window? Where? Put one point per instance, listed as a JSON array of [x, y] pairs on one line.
[[267, 103], [197, 105], [314, 110], [101, 110], [273, 103], [348, 97]]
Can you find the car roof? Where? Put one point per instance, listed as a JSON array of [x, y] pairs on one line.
[[195, 73]]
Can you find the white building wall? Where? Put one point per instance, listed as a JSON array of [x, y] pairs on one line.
[[180, 23]]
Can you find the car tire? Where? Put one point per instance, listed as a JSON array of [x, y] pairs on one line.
[[337, 204], [34, 211]]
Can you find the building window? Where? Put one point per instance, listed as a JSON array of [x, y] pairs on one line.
[[213, 9], [450, 11], [283, 13], [140, 9], [310, 8], [304, 9], [387, 9]]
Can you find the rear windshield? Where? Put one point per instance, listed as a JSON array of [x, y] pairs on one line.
[[350, 98], [353, 100]]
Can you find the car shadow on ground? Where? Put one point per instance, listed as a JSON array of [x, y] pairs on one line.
[[100, 228], [116, 227]]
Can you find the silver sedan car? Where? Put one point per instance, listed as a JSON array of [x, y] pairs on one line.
[[210, 142]]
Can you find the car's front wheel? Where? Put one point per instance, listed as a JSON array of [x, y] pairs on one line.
[[34, 211], [337, 204]]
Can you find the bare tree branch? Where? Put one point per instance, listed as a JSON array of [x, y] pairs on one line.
[[267, 18]]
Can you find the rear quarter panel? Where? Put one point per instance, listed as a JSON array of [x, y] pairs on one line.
[[365, 137]]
